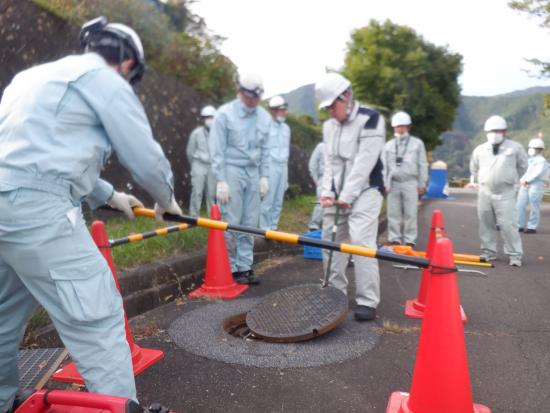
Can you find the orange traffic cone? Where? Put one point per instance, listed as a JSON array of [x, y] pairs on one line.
[[441, 381], [218, 280], [415, 308], [142, 358]]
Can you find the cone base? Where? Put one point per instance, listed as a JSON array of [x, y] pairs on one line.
[[142, 358], [228, 291], [415, 309], [398, 404]]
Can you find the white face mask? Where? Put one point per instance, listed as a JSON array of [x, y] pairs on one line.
[[208, 122], [531, 151], [400, 135], [494, 138], [280, 119]]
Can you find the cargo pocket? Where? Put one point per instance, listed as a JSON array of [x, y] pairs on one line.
[[86, 292]]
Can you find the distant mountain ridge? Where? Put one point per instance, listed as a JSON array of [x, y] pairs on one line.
[[301, 101], [523, 110]]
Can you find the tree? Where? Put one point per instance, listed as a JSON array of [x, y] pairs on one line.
[[541, 10], [393, 68]]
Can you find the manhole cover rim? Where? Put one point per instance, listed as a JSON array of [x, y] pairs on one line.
[[322, 323]]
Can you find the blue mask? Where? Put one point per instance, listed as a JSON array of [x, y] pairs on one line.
[[280, 119]]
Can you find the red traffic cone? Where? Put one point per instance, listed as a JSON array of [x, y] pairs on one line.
[[218, 280], [415, 308], [441, 381], [142, 358]]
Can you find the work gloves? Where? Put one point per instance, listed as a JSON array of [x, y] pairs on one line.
[[222, 192], [264, 186], [124, 202], [173, 209]]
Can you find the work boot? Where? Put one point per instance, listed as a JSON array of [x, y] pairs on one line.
[[487, 257], [530, 231], [246, 277], [409, 244], [365, 313], [521, 229], [515, 261], [394, 243]]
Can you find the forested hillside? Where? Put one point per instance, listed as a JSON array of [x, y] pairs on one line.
[[523, 109]]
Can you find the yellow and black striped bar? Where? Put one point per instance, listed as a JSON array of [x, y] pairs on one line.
[[148, 234], [289, 238]]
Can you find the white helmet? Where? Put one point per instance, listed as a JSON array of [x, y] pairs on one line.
[[97, 33], [251, 84], [536, 143], [495, 122], [208, 111], [328, 89], [277, 102], [401, 119]]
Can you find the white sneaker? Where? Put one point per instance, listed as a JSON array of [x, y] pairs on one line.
[[515, 261]]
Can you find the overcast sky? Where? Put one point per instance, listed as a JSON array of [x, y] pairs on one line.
[[291, 42]]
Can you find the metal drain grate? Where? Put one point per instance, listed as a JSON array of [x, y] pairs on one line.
[[298, 313], [36, 366]]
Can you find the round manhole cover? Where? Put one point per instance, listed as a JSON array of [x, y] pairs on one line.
[[298, 313]]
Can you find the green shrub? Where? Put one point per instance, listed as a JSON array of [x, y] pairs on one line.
[[176, 42]]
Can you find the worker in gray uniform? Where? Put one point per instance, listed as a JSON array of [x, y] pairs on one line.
[[59, 123], [279, 152], [405, 177], [497, 165], [352, 186], [531, 189], [239, 147], [316, 167], [198, 154]]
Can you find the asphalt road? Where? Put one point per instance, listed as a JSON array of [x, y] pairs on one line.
[[507, 336]]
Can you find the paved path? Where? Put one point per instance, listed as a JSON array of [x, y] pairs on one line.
[[508, 339]]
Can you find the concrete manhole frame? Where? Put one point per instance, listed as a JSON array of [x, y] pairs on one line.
[[200, 331]]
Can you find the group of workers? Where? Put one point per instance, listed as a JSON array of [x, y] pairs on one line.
[[60, 122]]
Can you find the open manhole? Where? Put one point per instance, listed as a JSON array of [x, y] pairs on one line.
[[296, 313], [237, 327]]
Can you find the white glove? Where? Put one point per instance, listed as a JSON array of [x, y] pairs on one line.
[[264, 186], [173, 209], [222, 192], [124, 202]]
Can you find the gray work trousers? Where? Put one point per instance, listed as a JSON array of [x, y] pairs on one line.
[[359, 227], [498, 209], [402, 208]]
